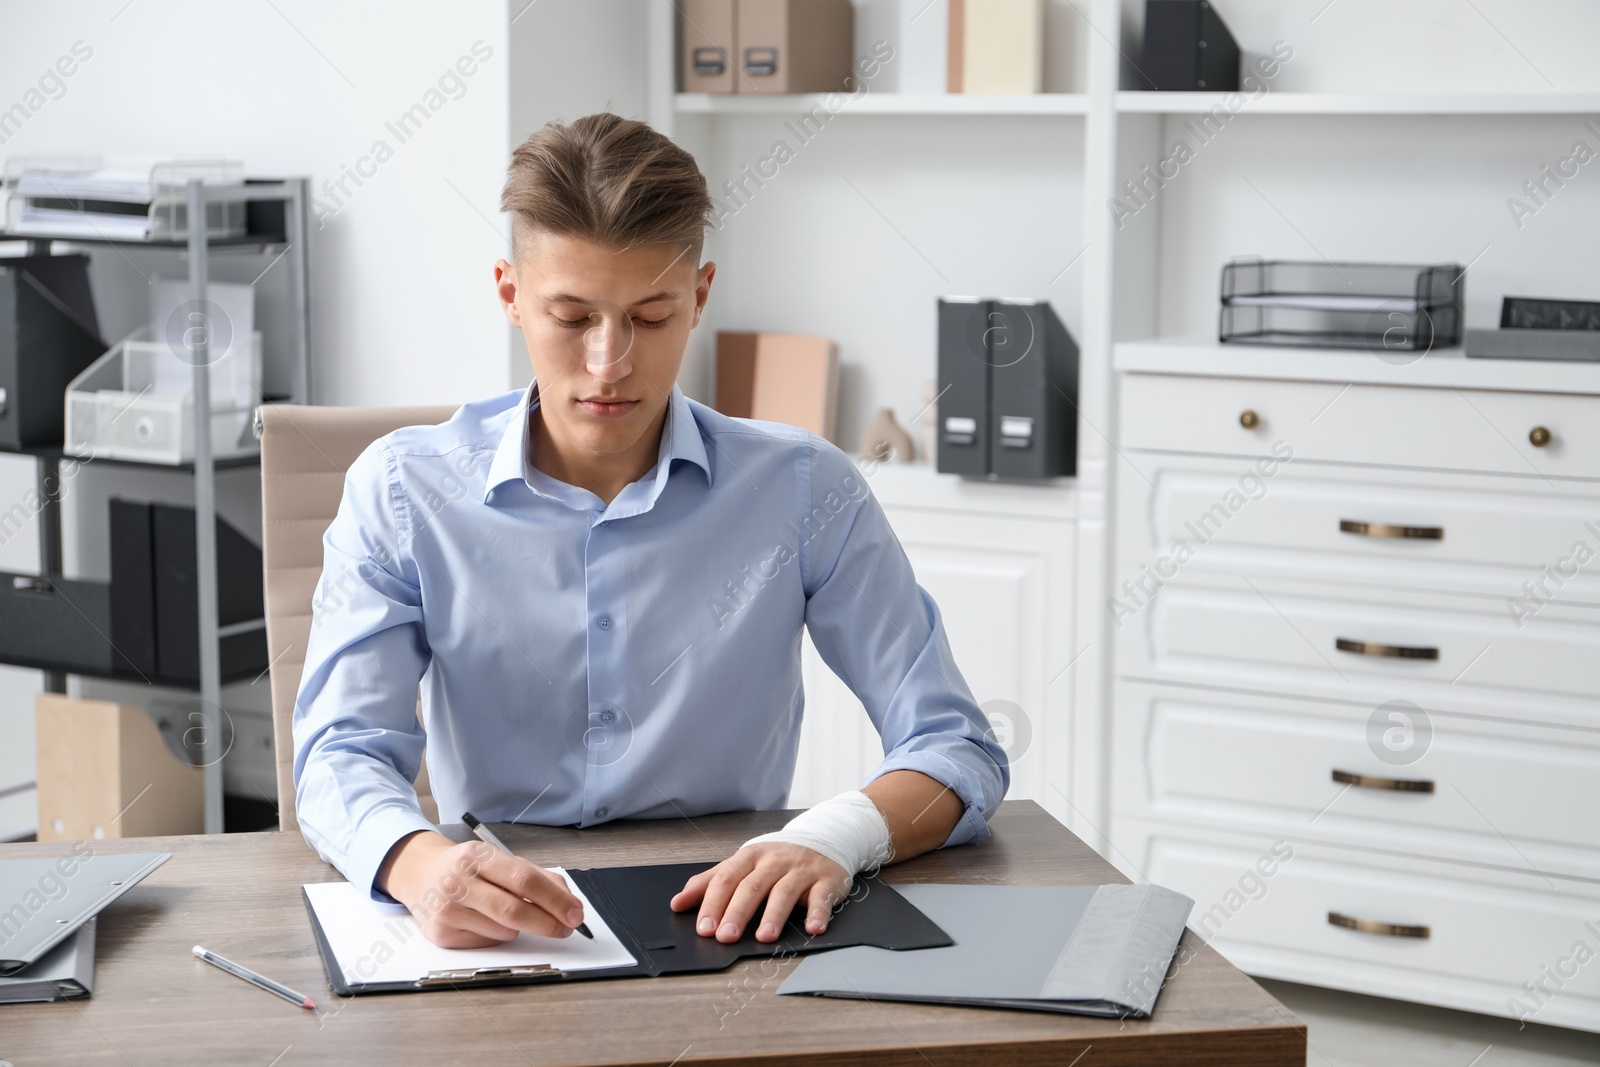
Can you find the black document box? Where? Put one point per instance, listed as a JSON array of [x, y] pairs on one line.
[[48, 335], [1008, 390], [1187, 48], [154, 600]]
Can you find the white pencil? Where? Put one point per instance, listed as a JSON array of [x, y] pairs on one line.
[[255, 979]]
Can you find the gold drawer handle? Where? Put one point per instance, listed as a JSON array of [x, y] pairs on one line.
[[1249, 419], [1384, 529], [1539, 437], [1372, 781], [1373, 926], [1372, 648]]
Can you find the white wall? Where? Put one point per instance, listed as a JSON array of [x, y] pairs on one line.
[[402, 306], [571, 58]]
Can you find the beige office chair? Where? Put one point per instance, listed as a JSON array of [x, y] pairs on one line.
[[305, 452]]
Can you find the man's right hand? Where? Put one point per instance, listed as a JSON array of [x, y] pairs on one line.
[[473, 895]]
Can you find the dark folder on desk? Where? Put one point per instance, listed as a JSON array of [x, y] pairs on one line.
[[632, 904], [48, 899], [1077, 949], [65, 972]]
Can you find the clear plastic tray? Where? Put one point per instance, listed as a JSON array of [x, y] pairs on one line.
[[124, 200], [136, 402]]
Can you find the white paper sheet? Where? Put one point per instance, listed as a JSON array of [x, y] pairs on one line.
[[376, 942]]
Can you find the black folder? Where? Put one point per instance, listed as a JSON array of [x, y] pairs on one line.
[[634, 903], [240, 597]]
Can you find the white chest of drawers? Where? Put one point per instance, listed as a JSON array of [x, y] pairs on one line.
[[1357, 701]]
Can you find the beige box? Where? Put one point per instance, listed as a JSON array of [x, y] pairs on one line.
[[791, 378], [104, 770], [794, 46], [706, 45], [996, 46]]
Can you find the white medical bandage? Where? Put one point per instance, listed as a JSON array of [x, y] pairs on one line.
[[848, 829]]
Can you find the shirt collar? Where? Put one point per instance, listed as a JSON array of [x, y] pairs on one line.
[[680, 439]]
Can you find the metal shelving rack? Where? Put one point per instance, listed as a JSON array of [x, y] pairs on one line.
[[287, 227]]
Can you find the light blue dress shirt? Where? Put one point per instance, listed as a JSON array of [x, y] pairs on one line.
[[581, 662]]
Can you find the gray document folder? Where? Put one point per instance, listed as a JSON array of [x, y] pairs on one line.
[[1081, 950], [66, 972], [42, 901]]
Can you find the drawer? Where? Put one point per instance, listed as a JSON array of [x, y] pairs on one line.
[[1504, 794], [1327, 640], [1490, 534], [1400, 426], [1265, 904]]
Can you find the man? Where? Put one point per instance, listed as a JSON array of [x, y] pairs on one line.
[[600, 586]]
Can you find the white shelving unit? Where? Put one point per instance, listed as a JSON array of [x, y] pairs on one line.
[[886, 104], [1401, 133], [285, 236], [1446, 367], [1348, 158], [861, 253], [1400, 147]]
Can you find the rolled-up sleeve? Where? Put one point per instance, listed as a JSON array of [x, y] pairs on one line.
[[882, 634], [357, 742]]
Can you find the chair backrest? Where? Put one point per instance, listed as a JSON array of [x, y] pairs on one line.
[[305, 452]]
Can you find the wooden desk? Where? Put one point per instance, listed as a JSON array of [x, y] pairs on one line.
[[238, 894]]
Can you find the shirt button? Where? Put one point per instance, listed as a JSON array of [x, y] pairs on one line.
[[605, 622], [602, 811]]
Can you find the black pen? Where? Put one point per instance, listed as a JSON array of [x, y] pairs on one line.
[[487, 835]]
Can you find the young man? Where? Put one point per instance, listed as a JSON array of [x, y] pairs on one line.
[[600, 586]]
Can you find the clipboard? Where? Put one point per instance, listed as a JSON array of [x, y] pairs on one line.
[[631, 903]]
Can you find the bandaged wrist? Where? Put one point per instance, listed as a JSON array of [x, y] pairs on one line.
[[848, 829]]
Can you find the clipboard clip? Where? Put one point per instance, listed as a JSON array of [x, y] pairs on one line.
[[468, 975]]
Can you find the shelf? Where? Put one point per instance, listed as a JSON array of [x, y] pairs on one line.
[[266, 202], [886, 104], [918, 485], [59, 454], [1402, 103], [249, 240], [275, 218], [110, 675], [1442, 368]]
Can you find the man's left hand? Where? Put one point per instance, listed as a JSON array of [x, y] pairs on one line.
[[782, 874]]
